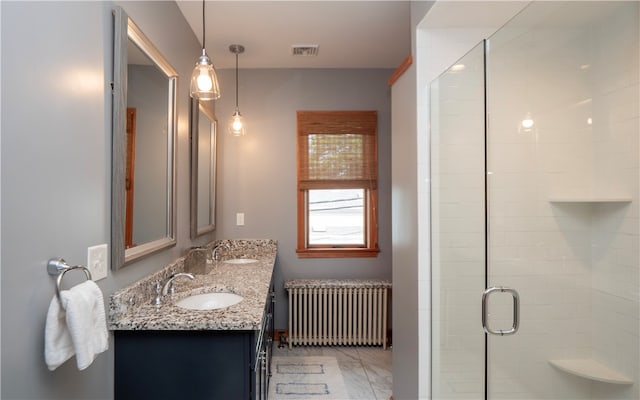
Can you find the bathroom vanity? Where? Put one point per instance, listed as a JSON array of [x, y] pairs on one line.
[[167, 351]]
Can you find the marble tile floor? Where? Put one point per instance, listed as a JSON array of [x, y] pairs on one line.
[[366, 371]]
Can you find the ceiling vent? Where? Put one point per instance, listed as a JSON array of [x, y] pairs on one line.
[[304, 50]]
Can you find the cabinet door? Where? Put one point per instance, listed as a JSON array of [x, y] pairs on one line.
[[182, 365]]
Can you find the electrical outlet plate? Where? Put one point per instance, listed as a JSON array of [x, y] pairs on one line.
[[240, 219], [97, 261]]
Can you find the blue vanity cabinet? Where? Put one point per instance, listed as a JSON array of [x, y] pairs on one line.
[[183, 364], [217, 364]]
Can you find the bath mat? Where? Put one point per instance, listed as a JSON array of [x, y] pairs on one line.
[[306, 378]]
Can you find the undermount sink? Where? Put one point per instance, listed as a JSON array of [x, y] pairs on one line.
[[209, 301], [240, 261]]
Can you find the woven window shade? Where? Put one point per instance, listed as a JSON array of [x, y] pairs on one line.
[[337, 149]]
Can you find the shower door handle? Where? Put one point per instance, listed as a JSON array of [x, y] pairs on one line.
[[516, 310]]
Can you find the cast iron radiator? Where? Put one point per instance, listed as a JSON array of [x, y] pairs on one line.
[[338, 312]]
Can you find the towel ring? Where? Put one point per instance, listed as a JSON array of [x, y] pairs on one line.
[[58, 266]]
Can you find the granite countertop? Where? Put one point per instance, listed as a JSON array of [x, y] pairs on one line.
[[131, 308]]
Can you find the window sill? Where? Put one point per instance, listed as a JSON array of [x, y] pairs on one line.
[[337, 253]]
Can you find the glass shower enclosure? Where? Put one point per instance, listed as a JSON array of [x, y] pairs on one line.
[[534, 209]]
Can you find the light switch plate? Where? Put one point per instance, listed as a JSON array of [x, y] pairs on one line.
[[97, 261]]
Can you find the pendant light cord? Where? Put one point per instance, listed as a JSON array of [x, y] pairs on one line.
[[203, 27], [236, 80]]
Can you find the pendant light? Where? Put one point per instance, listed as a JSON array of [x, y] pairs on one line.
[[204, 82], [237, 127]]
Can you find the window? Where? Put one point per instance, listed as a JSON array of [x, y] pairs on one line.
[[337, 184]]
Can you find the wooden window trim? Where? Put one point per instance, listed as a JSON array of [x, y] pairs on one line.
[[338, 122]]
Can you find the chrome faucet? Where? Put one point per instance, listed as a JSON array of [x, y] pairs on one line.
[[216, 253], [168, 284], [162, 289]]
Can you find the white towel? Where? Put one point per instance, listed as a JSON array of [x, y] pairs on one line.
[[77, 326]]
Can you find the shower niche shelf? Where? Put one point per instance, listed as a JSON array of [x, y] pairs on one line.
[[590, 200], [591, 369]]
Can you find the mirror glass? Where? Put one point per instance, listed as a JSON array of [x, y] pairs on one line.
[[143, 169], [203, 169]]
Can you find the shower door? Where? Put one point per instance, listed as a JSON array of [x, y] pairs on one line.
[[458, 228], [559, 231], [562, 189]]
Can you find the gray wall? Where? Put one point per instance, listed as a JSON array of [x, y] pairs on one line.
[[55, 171], [257, 173], [410, 378], [405, 239]]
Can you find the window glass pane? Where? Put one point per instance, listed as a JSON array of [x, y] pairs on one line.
[[336, 216]]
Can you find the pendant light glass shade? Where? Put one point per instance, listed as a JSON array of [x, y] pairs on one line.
[[237, 126], [204, 81]]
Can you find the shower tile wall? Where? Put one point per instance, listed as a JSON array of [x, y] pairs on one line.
[[575, 263], [615, 231]]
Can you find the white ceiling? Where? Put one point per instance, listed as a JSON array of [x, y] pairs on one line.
[[351, 34]]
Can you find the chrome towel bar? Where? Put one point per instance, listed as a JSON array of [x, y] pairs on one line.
[[59, 267]]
